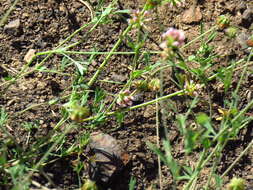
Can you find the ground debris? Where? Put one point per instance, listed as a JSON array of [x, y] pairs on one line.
[[29, 55], [13, 27]]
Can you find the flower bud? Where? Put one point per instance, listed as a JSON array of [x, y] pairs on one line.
[[89, 185], [125, 99], [223, 22], [154, 85], [236, 184], [78, 113], [231, 31], [140, 84]]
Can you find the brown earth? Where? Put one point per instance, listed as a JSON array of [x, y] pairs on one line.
[[43, 24]]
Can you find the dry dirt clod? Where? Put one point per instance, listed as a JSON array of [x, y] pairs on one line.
[[108, 159], [118, 78], [149, 111], [29, 55], [192, 15], [13, 27]]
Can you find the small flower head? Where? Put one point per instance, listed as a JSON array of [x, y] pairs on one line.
[[191, 88], [89, 185], [231, 32], [236, 184], [138, 17], [140, 84], [173, 38], [79, 113], [154, 84], [125, 99], [225, 113], [223, 22]]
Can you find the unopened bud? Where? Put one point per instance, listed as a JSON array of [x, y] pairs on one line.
[[154, 85], [223, 22], [236, 184]]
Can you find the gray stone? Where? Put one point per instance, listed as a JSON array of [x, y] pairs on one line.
[[192, 15], [242, 40], [13, 27], [108, 159]]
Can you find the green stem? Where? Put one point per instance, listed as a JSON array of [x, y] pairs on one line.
[[243, 73], [4, 18], [139, 105], [85, 53], [197, 171], [101, 67], [238, 158], [243, 111], [23, 72], [42, 160], [199, 37]]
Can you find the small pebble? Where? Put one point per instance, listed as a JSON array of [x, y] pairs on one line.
[[109, 157], [29, 55], [118, 78], [192, 15], [13, 27], [242, 40]]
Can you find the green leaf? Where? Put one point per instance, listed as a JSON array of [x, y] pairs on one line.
[[137, 73], [156, 150], [218, 182], [99, 95], [170, 161], [132, 183], [205, 121], [190, 140], [120, 117]]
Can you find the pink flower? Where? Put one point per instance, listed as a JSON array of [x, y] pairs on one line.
[[125, 99], [137, 17], [173, 37]]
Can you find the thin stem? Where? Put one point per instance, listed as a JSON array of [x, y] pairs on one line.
[[215, 164], [22, 73], [158, 145], [243, 74], [139, 105], [4, 18], [101, 67], [226, 69], [36, 167], [238, 158], [243, 111], [197, 171], [61, 51], [199, 37]]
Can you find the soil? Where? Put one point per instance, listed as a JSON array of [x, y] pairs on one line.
[[44, 24]]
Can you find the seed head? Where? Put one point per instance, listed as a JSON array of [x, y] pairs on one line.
[[125, 99], [236, 184]]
